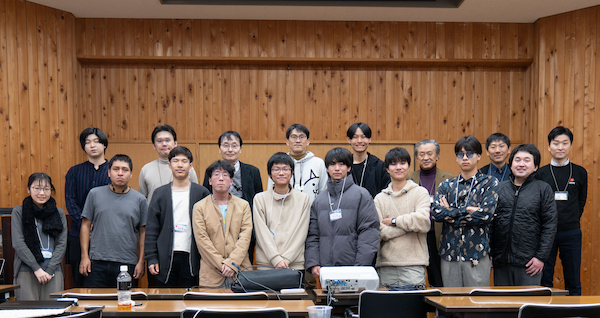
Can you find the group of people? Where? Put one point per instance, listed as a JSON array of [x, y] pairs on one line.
[[350, 209]]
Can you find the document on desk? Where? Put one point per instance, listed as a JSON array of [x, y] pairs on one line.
[[22, 309]]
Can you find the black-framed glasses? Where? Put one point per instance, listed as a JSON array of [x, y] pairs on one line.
[[461, 155]]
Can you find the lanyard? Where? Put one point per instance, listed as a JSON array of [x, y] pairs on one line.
[[280, 212], [40, 238], [395, 208], [468, 195], [570, 175], [362, 177], [340, 200]]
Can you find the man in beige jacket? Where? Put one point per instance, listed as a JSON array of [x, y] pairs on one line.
[[403, 209], [222, 229]]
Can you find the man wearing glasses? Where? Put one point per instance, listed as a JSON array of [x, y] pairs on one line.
[[157, 173], [465, 205], [246, 182], [222, 226], [429, 176], [310, 174]]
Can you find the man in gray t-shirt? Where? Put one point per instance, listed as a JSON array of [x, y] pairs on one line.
[[113, 226]]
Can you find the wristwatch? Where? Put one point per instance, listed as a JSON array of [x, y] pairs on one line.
[[394, 221]]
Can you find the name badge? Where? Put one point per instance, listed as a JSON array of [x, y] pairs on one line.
[[561, 195], [182, 228], [46, 254], [335, 215], [431, 199]]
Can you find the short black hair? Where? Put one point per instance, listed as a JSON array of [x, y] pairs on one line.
[[530, 148], [93, 131], [280, 157], [338, 154], [397, 154], [469, 143], [220, 164], [497, 137], [364, 127], [557, 131], [228, 135], [181, 150], [40, 177], [120, 157], [299, 127], [166, 128]]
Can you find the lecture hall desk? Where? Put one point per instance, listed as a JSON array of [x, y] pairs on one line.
[[173, 308], [497, 306], [5, 290], [351, 299], [172, 293]]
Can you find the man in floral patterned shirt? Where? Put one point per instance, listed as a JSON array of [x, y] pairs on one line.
[[465, 205]]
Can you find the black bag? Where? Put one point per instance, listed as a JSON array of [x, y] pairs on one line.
[[273, 280]]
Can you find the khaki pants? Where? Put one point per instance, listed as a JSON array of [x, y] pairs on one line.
[[401, 275]]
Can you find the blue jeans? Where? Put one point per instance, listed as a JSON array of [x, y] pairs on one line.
[[568, 243]]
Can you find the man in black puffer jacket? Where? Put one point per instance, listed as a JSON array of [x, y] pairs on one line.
[[525, 224]]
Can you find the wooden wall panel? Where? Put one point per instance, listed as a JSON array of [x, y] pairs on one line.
[[566, 86], [47, 97]]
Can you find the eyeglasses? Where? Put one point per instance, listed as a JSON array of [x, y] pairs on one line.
[[461, 155], [296, 137], [232, 146], [165, 140], [220, 175], [277, 170], [38, 190]]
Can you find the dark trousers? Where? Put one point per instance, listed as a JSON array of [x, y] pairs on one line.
[[568, 244], [180, 275], [434, 272], [104, 274], [73, 258], [511, 275]]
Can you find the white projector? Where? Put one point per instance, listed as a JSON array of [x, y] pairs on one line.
[[349, 278]]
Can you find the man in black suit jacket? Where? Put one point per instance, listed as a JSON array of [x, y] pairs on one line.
[[246, 179]]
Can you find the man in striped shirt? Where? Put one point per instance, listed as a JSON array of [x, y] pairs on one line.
[[80, 179]]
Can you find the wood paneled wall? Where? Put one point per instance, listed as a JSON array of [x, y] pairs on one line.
[[38, 97], [261, 101], [47, 97], [566, 92]]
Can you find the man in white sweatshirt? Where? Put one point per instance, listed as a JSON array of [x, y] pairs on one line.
[[310, 174]]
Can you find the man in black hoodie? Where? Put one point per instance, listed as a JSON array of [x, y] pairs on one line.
[[368, 171], [525, 222]]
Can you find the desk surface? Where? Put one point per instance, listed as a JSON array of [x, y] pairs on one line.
[[7, 288], [447, 291], [171, 293], [466, 304], [173, 308]]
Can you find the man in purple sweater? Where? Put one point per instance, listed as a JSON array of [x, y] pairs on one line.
[[427, 153]]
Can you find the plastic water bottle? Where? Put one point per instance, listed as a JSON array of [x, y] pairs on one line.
[[124, 289]]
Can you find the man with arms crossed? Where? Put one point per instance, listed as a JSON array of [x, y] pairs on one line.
[[310, 174], [403, 209], [525, 222], [344, 225], [497, 147], [222, 228], [80, 179], [157, 173], [118, 215], [569, 183], [465, 205], [367, 170], [170, 247], [429, 176]]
